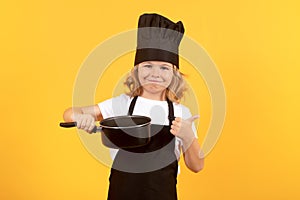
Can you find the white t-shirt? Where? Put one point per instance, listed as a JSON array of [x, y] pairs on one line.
[[157, 110]]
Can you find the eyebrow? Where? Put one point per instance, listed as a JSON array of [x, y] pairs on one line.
[[167, 65]]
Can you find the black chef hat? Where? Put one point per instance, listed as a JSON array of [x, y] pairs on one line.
[[158, 39]]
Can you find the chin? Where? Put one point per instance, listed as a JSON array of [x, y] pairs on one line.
[[154, 88]]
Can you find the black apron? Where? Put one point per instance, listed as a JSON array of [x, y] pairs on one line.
[[148, 172]]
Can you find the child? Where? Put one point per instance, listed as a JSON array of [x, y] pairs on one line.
[[155, 89]]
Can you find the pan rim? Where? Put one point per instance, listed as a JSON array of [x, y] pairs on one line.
[[125, 127]]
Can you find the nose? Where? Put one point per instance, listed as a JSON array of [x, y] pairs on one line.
[[155, 71]]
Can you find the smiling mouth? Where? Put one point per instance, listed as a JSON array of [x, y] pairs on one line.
[[155, 81]]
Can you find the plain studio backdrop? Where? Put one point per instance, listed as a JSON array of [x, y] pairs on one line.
[[255, 45]]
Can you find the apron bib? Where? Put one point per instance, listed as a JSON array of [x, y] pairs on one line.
[[148, 172]]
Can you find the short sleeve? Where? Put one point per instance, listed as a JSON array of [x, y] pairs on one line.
[[185, 115]]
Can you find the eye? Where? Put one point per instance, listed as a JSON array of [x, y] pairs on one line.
[[147, 66], [164, 68]]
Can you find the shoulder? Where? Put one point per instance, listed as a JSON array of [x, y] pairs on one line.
[[182, 110], [123, 98], [115, 106]]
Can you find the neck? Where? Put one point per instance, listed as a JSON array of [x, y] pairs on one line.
[[159, 97]]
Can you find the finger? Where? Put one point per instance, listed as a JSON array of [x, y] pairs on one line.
[[193, 118], [91, 129], [178, 119], [78, 122], [88, 124], [172, 131], [177, 123], [174, 123], [175, 128], [92, 125], [83, 123]]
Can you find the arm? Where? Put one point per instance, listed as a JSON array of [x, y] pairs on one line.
[[84, 116], [193, 155]]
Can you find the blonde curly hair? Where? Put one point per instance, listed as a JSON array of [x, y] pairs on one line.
[[174, 92]]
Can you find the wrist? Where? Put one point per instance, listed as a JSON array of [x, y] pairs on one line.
[[187, 142], [74, 116]]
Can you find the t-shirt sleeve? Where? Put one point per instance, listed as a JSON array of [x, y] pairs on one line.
[[115, 106], [186, 113]]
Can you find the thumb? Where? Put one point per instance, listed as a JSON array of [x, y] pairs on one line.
[[193, 118]]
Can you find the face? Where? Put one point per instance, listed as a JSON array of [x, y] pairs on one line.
[[155, 76]]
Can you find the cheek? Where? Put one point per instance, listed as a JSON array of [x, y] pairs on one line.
[[141, 77], [142, 73], [168, 77]]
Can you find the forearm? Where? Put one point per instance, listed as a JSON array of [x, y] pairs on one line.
[[69, 113], [93, 110], [193, 155]]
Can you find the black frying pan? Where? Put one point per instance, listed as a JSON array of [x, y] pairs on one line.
[[124, 132]]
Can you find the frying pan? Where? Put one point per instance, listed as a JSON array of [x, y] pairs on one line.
[[127, 131]]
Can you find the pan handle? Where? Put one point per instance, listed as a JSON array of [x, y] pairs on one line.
[[74, 124], [67, 124]]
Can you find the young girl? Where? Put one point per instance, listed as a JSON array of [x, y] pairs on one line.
[[155, 89]]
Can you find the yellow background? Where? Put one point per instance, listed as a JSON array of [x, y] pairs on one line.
[[255, 45]]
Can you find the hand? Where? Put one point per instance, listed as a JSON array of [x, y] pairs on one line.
[[183, 128], [85, 122]]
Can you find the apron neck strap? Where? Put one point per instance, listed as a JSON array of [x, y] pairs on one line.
[[132, 104], [171, 116]]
